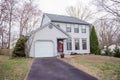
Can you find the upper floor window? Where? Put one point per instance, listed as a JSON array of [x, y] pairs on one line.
[[77, 47], [84, 44], [83, 28], [68, 28], [69, 44], [76, 29]]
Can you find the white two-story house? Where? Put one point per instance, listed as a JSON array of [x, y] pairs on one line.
[[60, 34]]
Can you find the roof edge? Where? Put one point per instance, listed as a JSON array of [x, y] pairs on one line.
[[48, 25]]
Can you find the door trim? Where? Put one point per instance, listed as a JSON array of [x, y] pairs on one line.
[[62, 45]]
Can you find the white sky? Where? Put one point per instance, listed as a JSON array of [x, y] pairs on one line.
[[58, 6]]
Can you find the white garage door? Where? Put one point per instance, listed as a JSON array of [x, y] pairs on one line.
[[44, 49]]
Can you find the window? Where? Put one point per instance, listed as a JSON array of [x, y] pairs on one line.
[[76, 29], [68, 28], [84, 44], [83, 29], [77, 47], [69, 44]]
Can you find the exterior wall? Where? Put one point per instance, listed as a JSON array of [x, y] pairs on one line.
[[47, 34], [79, 36], [45, 20], [54, 34]]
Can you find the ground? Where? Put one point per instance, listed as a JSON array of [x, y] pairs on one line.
[[55, 69], [14, 69], [102, 67]]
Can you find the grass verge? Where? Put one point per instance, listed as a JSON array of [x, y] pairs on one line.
[[14, 69], [102, 67]]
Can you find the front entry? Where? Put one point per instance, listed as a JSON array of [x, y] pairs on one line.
[[60, 45]]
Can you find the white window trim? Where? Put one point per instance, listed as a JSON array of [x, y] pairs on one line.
[[68, 27], [82, 43], [83, 28], [78, 43], [76, 27], [70, 40]]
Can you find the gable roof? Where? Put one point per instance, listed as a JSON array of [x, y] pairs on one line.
[[66, 19], [60, 29], [33, 32]]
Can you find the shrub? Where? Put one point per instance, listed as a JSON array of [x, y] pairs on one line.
[[116, 52], [108, 52], [94, 45], [19, 50], [72, 53]]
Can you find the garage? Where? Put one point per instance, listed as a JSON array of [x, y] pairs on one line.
[[44, 49]]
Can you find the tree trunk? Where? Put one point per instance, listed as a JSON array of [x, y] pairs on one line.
[[9, 33], [2, 39]]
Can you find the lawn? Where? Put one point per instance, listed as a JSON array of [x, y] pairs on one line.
[[14, 69], [102, 67]]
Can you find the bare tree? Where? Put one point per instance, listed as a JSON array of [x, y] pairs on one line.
[[3, 21], [118, 39], [29, 19], [29, 43], [107, 31], [28, 16], [108, 27], [3, 35], [24, 15], [110, 6], [79, 11], [11, 9]]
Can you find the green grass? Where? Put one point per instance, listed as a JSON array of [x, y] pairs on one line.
[[102, 67], [14, 69]]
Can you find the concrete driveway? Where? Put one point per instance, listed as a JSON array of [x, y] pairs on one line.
[[55, 69]]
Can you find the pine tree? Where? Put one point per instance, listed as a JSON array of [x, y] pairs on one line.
[[94, 45], [19, 50]]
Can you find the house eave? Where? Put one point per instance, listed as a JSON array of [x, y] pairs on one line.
[[71, 22]]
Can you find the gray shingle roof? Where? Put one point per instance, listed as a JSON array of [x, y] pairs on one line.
[[65, 19]]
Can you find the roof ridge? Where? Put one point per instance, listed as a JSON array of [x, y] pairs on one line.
[[64, 15]]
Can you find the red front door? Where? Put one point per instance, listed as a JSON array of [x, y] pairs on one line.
[[60, 46]]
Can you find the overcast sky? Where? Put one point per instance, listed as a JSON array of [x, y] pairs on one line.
[[59, 6]]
